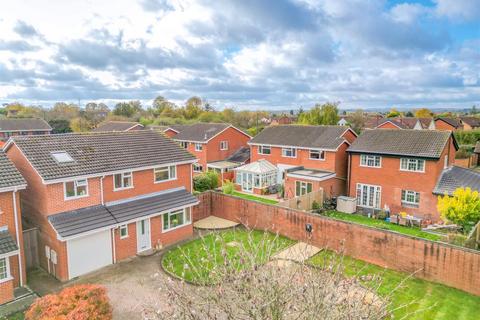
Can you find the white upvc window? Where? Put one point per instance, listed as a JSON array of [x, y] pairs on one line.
[[368, 196], [124, 231], [410, 198], [302, 187], [264, 150], [317, 155], [76, 189], [198, 147], [4, 269], [165, 173], [197, 167], [176, 219], [184, 144], [122, 181], [372, 161], [289, 152], [412, 164], [224, 145]]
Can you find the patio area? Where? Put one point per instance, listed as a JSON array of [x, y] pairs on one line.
[[214, 223]]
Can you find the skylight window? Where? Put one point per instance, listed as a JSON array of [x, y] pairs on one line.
[[62, 157]]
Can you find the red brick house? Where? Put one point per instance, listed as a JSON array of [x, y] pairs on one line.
[[212, 143], [10, 127], [99, 198], [470, 123], [450, 124], [306, 158], [406, 123], [118, 126], [399, 169], [12, 259]]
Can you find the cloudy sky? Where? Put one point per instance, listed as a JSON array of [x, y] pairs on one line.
[[245, 53]]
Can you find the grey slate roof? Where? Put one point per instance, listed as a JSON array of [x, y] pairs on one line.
[[451, 121], [75, 222], [115, 126], [415, 143], [100, 152], [241, 155], [457, 177], [7, 244], [322, 137], [24, 124], [200, 132], [9, 175]]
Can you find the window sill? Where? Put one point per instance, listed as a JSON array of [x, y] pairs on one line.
[[121, 189], [8, 278], [410, 205], [177, 227], [158, 182], [124, 237], [413, 171], [75, 198]]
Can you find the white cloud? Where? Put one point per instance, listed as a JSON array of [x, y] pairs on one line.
[[459, 9]]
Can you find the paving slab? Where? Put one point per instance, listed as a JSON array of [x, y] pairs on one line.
[[299, 252], [214, 223]]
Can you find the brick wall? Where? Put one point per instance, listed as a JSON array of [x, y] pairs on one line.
[[453, 266], [6, 292]]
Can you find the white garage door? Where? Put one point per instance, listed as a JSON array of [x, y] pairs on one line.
[[89, 253]]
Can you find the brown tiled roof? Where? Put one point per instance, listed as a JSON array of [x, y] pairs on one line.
[[199, 132], [321, 137], [115, 126], [415, 143], [457, 177], [95, 153], [9, 175], [471, 121], [451, 121], [24, 124], [407, 122]]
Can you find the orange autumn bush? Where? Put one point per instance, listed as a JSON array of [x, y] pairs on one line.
[[82, 302]]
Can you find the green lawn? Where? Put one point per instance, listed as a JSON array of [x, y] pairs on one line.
[[253, 198], [15, 316], [195, 260], [441, 302], [382, 224]]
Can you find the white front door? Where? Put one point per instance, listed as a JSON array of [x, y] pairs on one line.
[[143, 235], [247, 181]]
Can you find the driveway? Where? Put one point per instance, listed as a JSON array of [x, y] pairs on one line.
[[131, 284]]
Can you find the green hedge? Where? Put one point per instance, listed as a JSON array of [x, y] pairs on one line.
[[467, 137]]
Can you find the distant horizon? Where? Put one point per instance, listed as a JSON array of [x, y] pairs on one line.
[[252, 54]]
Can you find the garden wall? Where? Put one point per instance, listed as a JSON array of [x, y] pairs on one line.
[[453, 266]]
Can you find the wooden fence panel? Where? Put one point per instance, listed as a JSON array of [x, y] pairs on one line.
[[30, 243], [304, 202]]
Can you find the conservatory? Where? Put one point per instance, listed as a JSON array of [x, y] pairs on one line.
[[256, 176]]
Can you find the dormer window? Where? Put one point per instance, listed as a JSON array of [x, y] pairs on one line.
[[61, 157]]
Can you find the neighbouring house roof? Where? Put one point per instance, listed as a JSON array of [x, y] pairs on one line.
[[451, 121], [415, 143], [75, 222], [97, 153], [9, 175], [242, 155], [471, 121], [260, 166], [313, 137], [7, 244], [21, 124], [455, 177], [477, 147], [116, 126], [407, 122], [311, 174], [176, 127], [201, 132], [222, 164]]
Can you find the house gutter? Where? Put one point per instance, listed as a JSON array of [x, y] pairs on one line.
[[15, 213]]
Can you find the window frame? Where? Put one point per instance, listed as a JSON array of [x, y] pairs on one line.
[[377, 193], [8, 275], [368, 157], [261, 150], [187, 219], [410, 204], [303, 185], [198, 147], [408, 161], [168, 170], [224, 145], [292, 150], [75, 186], [321, 154], [122, 177], [124, 227], [184, 144], [196, 166]]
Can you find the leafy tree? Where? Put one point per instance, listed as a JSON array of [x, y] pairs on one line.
[[62, 110], [206, 181], [193, 108], [161, 105], [423, 113], [463, 208], [127, 109], [357, 121], [393, 113], [409, 114], [80, 124], [228, 187], [209, 116], [326, 114], [60, 125], [96, 112]]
